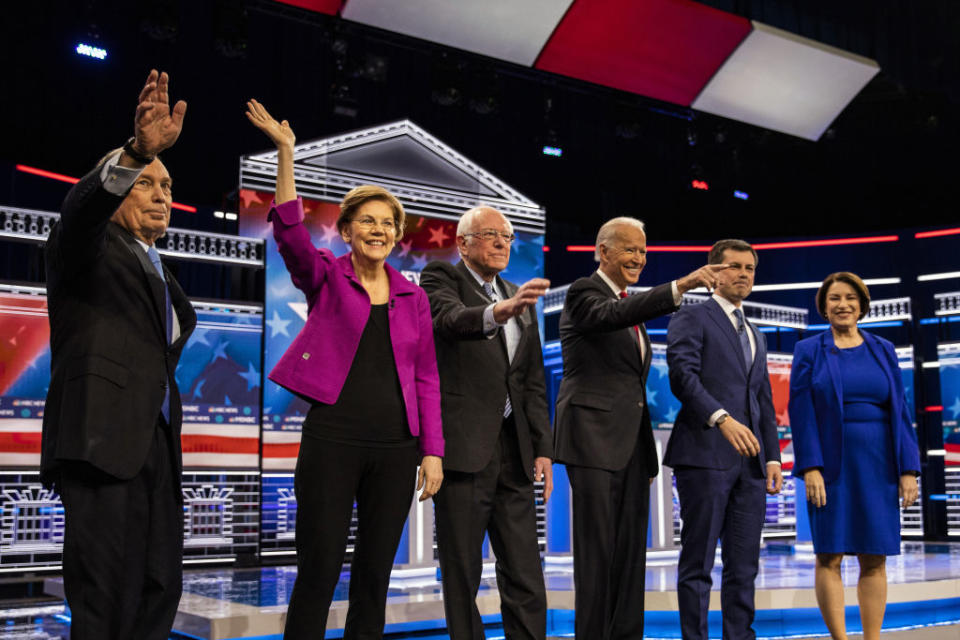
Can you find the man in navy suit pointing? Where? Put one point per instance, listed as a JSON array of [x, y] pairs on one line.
[[724, 447]]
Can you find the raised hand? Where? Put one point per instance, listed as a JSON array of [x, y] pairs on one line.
[[705, 276], [279, 132], [155, 126], [525, 296]]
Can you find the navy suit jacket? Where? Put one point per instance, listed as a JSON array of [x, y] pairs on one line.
[[816, 406], [707, 373]]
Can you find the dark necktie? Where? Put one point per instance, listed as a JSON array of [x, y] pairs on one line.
[[488, 289], [744, 338], [167, 321]]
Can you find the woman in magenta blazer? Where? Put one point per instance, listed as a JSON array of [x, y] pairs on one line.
[[365, 360]]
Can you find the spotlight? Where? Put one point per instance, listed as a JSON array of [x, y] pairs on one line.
[[91, 52], [552, 151], [742, 195], [700, 184]]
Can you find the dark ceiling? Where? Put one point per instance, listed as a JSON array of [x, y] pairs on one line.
[[886, 162]]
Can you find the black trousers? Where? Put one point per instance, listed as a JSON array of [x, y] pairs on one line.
[[730, 505], [498, 500], [123, 547], [610, 512], [328, 478]]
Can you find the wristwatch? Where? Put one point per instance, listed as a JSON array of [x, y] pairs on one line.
[[130, 151], [721, 419]]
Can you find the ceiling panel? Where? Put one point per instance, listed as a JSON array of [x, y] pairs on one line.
[[665, 49], [787, 83], [512, 30], [330, 7]]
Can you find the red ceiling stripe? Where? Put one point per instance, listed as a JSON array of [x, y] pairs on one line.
[[937, 234], [70, 179], [331, 7], [665, 49], [825, 243]]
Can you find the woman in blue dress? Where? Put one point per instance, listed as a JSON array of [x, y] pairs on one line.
[[855, 449]]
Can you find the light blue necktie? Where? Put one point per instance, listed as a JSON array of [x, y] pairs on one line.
[[168, 321], [488, 289], [744, 338]]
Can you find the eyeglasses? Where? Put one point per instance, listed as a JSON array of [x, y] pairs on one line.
[[490, 235], [366, 222]]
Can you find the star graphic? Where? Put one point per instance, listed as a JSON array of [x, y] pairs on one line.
[[437, 235], [956, 407], [405, 248], [247, 196], [252, 376], [220, 351], [278, 326], [419, 262], [662, 370], [652, 398], [200, 336], [197, 393], [226, 400], [330, 233], [672, 414]]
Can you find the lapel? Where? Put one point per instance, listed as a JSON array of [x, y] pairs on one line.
[[832, 356], [474, 285], [759, 351], [716, 313], [629, 332], [153, 281]]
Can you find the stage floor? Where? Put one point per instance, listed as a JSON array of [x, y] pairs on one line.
[[923, 595]]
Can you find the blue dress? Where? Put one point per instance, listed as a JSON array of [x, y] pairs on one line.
[[862, 514]]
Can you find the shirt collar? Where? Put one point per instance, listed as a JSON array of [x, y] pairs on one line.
[[143, 244], [727, 306], [610, 283], [480, 279]]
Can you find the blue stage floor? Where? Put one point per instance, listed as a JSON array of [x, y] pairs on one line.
[[231, 603]]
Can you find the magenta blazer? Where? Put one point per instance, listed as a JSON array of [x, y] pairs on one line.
[[318, 360]]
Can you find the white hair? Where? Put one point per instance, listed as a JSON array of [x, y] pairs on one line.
[[468, 219], [609, 229]]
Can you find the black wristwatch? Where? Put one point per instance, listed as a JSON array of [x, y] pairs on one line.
[[129, 150]]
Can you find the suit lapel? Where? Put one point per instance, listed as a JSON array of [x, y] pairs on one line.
[[153, 280], [832, 355], [726, 328], [630, 333], [475, 286]]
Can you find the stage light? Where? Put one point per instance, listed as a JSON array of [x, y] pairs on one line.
[[824, 243], [230, 216], [937, 234], [91, 51], [552, 151], [742, 195], [938, 276], [700, 184], [218, 214]]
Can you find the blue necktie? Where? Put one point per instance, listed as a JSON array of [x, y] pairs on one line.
[[488, 289], [168, 321], [744, 338]]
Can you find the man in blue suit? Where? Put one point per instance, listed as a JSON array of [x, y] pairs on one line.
[[724, 447]]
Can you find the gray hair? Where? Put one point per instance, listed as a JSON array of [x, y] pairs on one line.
[[469, 218], [609, 229]]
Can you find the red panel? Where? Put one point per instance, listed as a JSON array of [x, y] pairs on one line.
[[665, 49], [331, 7]]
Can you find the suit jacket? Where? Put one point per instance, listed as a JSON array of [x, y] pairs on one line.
[[317, 362], [816, 406], [110, 361], [602, 400], [476, 374], [707, 373]]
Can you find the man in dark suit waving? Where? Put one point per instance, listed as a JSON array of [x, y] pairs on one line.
[[496, 427], [111, 428], [724, 443], [603, 431]]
